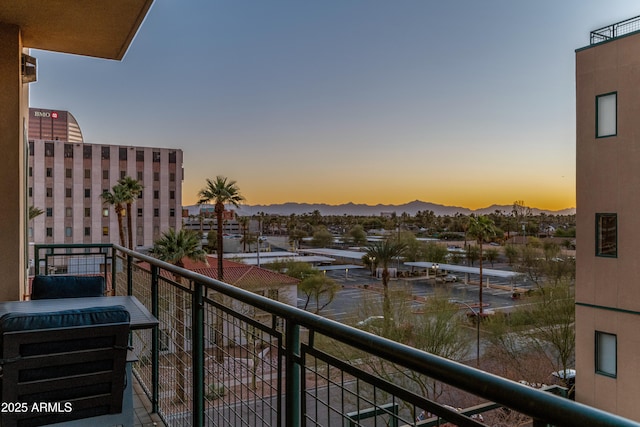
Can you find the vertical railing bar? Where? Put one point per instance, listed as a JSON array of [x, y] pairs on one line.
[[197, 353], [114, 270], [292, 375], [129, 275], [279, 382], [36, 260], [155, 337]]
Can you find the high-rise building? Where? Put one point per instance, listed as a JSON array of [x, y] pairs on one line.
[[608, 224], [67, 177]]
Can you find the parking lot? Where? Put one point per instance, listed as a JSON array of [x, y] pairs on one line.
[[358, 286]]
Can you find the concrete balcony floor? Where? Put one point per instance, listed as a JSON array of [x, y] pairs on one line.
[[143, 417]]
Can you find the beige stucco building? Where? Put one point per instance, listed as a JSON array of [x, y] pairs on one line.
[[103, 29], [66, 178], [608, 220]]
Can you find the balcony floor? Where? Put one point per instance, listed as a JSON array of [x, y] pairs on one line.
[[143, 417]]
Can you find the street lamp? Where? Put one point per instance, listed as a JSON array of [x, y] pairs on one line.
[[477, 316], [435, 267]]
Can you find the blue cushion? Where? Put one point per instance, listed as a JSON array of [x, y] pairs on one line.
[[51, 287], [66, 318]]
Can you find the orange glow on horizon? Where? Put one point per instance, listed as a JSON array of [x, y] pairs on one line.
[[557, 198]]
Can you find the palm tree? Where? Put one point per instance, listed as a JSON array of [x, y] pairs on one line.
[[481, 227], [382, 253], [222, 191], [117, 198], [244, 223], [174, 247], [34, 212], [133, 188]]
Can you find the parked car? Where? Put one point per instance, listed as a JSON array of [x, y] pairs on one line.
[[450, 278]]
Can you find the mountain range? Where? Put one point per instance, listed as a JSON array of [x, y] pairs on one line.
[[375, 210]]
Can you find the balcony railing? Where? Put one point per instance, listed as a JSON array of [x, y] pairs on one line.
[[224, 356], [615, 30]]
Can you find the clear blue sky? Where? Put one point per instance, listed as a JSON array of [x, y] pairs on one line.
[[465, 103]]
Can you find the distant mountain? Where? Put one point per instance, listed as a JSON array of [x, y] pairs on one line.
[[368, 210]]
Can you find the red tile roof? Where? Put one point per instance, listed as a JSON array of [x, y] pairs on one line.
[[237, 274]]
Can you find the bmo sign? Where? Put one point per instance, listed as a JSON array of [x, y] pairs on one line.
[[45, 114]]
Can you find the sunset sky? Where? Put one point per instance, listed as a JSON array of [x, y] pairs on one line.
[[465, 103]]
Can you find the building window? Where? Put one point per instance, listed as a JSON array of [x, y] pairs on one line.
[[68, 212], [87, 231], [122, 153], [123, 174], [156, 194], [140, 195], [156, 212], [30, 191], [172, 212], [49, 192], [156, 176], [172, 177], [139, 231], [49, 212], [49, 172], [172, 157], [49, 232], [87, 174], [172, 194], [105, 174], [68, 232], [67, 192], [156, 157], [87, 193], [68, 151], [86, 151], [606, 354], [106, 153], [139, 156], [606, 115], [30, 171], [105, 231], [607, 235], [105, 212], [87, 212], [68, 173], [48, 149], [31, 147], [139, 175], [139, 212]]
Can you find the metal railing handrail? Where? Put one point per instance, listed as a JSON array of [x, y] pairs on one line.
[[524, 399], [612, 31]]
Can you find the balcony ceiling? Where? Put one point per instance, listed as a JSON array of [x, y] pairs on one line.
[[100, 28]]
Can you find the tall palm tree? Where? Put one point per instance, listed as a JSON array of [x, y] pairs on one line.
[[174, 247], [244, 223], [382, 253], [481, 227], [222, 191], [132, 189], [117, 198]]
